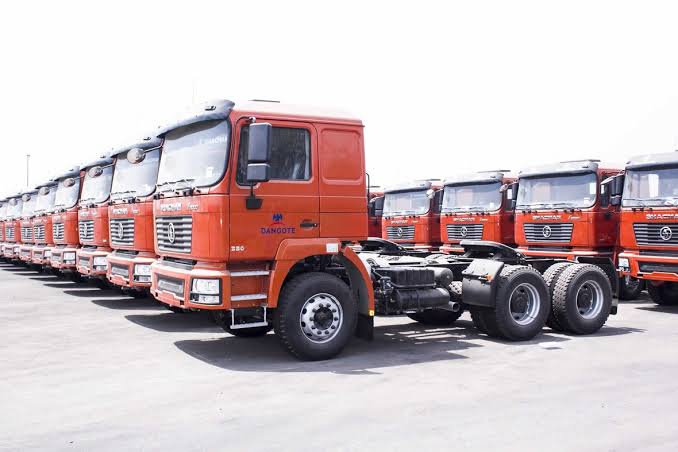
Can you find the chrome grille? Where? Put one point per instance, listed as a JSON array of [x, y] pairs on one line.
[[122, 231], [86, 229], [172, 285], [400, 232], [656, 234], [174, 233], [26, 233], [9, 233], [58, 231], [464, 231], [39, 232], [548, 232]]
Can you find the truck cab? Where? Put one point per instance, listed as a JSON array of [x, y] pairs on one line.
[[27, 213], [411, 215], [42, 223], [65, 221], [93, 228], [3, 218], [375, 211], [648, 230], [130, 215], [477, 207], [13, 227]]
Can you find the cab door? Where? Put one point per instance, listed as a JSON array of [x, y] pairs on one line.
[[290, 207]]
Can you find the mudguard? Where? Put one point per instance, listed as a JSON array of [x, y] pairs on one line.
[[479, 283]]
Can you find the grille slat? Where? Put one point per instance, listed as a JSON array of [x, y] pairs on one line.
[[656, 234], [9, 233], [465, 231], [400, 232], [548, 232], [174, 233], [58, 231], [122, 231], [86, 230], [26, 233], [39, 232]]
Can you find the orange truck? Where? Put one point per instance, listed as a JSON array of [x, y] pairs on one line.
[[42, 224], [477, 207], [13, 227], [564, 211], [375, 212], [93, 228], [3, 219], [130, 216], [411, 215], [29, 198], [65, 222], [261, 220], [649, 223]]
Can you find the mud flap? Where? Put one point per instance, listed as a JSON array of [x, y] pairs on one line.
[[479, 286], [365, 327]]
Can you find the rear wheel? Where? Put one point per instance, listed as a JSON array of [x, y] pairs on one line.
[[551, 276], [316, 316], [630, 288], [521, 305], [582, 298], [665, 294], [441, 317]]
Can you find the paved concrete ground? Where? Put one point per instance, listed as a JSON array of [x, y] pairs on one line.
[[84, 369]]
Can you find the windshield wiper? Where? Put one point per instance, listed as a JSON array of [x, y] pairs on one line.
[[543, 205], [123, 192], [564, 204], [162, 184]]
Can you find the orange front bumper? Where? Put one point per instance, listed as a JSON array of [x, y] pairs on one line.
[[86, 260], [121, 271], [172, 285], [649, 267], [64, 258]]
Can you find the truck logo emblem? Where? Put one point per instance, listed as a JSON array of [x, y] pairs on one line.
[[171, 233], [399, 232], [666, 233], [464, 231], [278, 226], [546, 231], [277, 218], [121, 231]]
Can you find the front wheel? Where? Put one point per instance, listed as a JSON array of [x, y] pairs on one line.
[[316, 316], [665, 294]]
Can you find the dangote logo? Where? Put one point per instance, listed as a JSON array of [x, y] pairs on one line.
[[278, 227]]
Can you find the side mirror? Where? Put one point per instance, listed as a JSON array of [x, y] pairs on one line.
[[95, 171], [136, 155], [258, 172], [512, 195], [605, 194], [259, 152]]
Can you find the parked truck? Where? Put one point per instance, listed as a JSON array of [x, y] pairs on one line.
[[477, 206], [65, 232], [564, 211], [411, 215], [260, 209], [42, 224], [649, 223], [13, 227], [3, 219], [131, 216], [93, 224], [29, 198]]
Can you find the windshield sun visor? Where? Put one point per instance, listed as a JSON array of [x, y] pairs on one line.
[[209, 111]]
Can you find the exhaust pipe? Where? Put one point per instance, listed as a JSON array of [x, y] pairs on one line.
[[454, 306]]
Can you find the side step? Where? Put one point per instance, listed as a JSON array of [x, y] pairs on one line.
[[254, 296], [240, 326]]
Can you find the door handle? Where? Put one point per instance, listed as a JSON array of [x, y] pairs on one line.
[[307, 224]]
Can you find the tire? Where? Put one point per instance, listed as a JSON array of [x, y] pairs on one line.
[[521, 305], [551, 276], [630, 288], [310, 333], [441, 317], [664, 294], [582, 299]]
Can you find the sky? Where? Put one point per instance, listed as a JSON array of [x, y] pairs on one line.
[[442, 87]]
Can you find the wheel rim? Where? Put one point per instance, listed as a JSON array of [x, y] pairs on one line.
[[524, 303], [321, 318], [631, 283], [589, 299]]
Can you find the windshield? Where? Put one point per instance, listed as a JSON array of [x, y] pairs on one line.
[[45, 203], [135, 179], [29, 206], [407, 203], [194, 156], [576, 190], [480, 197], [651, 187], [14, 211], [97, 189], [67, 197]]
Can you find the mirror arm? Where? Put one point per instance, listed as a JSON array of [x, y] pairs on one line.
[[252, 202]]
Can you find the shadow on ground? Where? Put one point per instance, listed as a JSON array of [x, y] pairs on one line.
[[658, 308], [129, 304], [171, 322], [90, 293]]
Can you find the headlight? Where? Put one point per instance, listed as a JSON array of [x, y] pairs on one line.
[[142, 270], [70, 256], [100, 261], [206, 286], [205, 299]]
